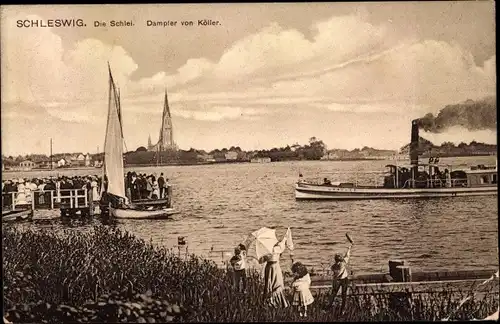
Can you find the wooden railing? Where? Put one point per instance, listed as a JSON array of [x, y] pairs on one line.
[[435, 183], [47, 199]]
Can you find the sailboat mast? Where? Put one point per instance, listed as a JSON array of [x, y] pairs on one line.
[[397, 171], [110, 81], [51, 153], [113, 144], [119, 107]]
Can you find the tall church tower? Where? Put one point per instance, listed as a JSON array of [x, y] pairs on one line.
[[166, 141], [150, 145]]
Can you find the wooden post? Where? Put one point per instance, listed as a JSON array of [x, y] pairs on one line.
[[71, 199], [169, 196], [33, 200], [396, 185], [13, 200], [394, 272], [400, 302], [405, 272], [52, 199], [91, 203]]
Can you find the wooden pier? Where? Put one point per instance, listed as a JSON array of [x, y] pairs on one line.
[[70, 202], [400, 283]]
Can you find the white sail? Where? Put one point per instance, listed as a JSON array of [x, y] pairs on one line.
[[113, 144]]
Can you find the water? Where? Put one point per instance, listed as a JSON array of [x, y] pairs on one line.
[[221, 204]]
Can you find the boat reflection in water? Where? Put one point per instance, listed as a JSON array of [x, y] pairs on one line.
[[417, 181]]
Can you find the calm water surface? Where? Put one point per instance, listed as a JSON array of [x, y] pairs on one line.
[[221, 204]]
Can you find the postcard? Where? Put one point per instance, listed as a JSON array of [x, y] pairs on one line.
[[273, 162]]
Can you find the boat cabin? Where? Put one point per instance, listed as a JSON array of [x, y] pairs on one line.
[[481, 177], [438, 176]]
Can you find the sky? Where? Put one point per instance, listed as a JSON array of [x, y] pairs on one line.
[[268, 75]]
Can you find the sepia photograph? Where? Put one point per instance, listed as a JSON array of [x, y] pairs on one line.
[[249, 162]]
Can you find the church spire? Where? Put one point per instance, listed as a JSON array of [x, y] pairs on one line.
[[166, 134], [149, 142]]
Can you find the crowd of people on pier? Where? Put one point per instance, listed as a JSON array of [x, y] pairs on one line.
[[142, 186], [22, 190], [137, 186]]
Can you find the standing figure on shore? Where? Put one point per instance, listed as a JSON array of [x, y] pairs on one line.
[[21, 195], [340, 277], [141, 183], [155, 187], [94, 185], [149, 187], [161, 185], [128, 185], [302, 296], [273, 277], [134, 187], [238, 262]]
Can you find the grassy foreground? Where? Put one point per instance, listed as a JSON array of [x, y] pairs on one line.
[[107, 275]]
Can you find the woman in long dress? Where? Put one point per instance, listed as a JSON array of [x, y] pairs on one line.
[[95, 193], [21, 194], [273, 277], [156, 189]]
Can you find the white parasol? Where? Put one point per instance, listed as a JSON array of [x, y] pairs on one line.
[[260, 242]]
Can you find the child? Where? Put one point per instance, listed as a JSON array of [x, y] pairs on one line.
[[238, 262], [302, 296], [340, 277]]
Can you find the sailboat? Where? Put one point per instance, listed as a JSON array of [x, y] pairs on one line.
[[115, 199]]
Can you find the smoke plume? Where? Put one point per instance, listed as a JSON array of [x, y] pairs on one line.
[[471, 115]]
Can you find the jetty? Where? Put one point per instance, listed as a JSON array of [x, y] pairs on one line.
[[70, 202], [400, 278]]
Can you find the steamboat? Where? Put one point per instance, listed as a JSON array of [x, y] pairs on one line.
[[424, 180]]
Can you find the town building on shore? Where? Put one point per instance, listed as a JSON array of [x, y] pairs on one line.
[[231, 156], [260, 160]]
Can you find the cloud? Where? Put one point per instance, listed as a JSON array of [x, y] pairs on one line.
[[347, 65], [219, 113]]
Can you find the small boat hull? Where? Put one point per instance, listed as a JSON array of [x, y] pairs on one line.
[[306, 191], [162, 213], [17, 215]]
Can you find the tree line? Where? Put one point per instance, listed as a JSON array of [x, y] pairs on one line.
[[315, 149]]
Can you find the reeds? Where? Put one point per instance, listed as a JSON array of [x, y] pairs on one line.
[[109, 275]]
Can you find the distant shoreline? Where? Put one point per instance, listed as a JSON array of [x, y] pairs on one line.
[[222, 162]]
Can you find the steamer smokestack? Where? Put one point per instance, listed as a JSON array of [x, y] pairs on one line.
[[414, 142]]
